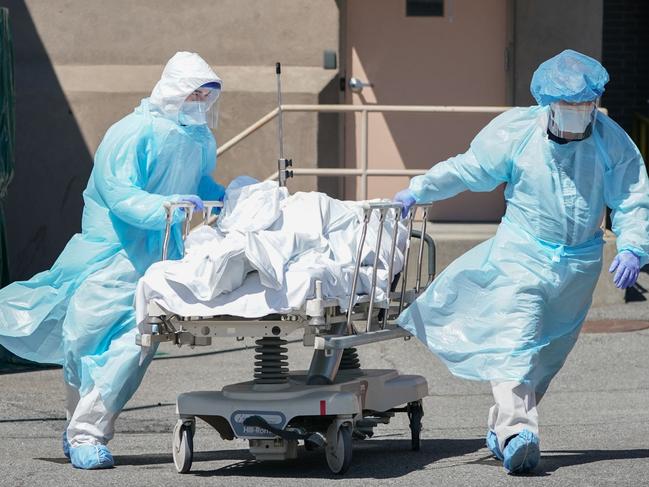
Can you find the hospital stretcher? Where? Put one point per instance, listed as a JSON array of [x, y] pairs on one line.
[[332, 402]]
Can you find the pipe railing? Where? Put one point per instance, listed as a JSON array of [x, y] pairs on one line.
[[363, 171]]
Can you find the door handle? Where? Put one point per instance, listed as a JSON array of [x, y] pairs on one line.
[[357, 85]]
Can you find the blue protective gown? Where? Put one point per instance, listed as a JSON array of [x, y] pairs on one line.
[[512, 307], [80, 313]]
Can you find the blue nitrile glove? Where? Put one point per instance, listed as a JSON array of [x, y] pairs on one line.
[[195, 200], [627, 265], [407, 199]]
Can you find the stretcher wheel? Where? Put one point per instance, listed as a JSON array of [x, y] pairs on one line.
[[183, 445], [415, 414], [339, 448]]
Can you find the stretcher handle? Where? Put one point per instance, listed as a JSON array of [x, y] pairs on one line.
[[411, 233], [171, 206], [420, 256], [431, 251]]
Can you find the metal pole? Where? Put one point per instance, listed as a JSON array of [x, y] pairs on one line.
[[350, 172], [377, 253], [363, 151], [357, 267], [280, 124], [396, 108], [395, 236], [165, 244], [406, 259], [189, 212]]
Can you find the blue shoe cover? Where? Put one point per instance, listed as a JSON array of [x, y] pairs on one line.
[[492, 444], [522, 453], [66, 444], [91, 457]]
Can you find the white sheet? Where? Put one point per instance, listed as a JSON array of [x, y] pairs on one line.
[[266, 253]]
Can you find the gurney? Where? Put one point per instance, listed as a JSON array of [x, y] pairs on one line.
[[335, 400]]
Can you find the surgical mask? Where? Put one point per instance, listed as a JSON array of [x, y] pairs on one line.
[[572, 121], [193, 113]]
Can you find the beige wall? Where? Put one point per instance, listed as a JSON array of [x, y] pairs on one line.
[[81, 65], [145, 32], [455, 60]]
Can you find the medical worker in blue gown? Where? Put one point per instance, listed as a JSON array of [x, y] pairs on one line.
[[80, 314], [509, 310]]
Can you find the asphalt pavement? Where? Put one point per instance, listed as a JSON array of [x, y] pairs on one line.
[[594, 424]]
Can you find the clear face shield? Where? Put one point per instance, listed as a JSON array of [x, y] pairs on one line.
[[572, 121], [201, 107]]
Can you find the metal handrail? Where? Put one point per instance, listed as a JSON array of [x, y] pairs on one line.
[[364, 172]]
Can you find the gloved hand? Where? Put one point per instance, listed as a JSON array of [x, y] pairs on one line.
[[407, 199], [195, 200], [627, 265]]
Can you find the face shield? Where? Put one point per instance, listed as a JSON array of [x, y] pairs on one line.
[[572, 121], [201, 107]]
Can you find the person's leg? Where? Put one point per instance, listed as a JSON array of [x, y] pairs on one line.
[[71, 401], [492, 439], [514, 421], [99, 319], [514, 411], [91, 422]]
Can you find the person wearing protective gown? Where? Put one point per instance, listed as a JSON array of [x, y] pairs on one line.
[[509, 311], [80, 313]]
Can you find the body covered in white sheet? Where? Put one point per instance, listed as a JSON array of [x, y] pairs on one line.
[[265, 254]]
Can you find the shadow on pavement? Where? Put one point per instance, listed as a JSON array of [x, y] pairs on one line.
[[553, 460], [161, 459], [371, 459]]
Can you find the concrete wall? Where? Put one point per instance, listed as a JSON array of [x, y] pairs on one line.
[[81, 65], [543, 29]]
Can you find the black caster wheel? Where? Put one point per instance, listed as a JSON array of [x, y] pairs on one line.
[[415, 414]]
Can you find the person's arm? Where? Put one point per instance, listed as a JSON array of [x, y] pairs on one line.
[[120, 174], [455, 175], [627, 194], [486, 164], [210, 190]]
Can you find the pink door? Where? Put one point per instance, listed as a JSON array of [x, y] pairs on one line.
[[455, 59]]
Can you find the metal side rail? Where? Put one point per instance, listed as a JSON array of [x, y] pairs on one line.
[[349, 341]]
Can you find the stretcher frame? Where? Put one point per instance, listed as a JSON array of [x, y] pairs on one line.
[[335, 400]]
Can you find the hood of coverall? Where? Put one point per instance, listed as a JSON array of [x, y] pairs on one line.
[[185, 72]]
